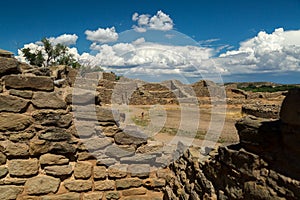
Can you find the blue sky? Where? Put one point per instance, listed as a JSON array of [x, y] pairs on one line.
[[213, 24]]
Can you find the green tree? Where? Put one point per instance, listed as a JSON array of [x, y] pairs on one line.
[[53, 55], [34, 58]]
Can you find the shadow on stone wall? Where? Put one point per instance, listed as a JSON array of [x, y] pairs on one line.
[[264, 165]]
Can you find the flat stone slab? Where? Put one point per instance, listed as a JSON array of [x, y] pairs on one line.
[[139, 170], [12, 104], [53, 118], [130, 137], [66, 196], [78, 185], [117, 151], [55, 134], [96, 143], [83, 170], [48, 100], [96, 113], [42, 185], [43, 83], [117, 171], [10, 191], [14, 122], [9, 66], [59, 170], [27, 94], [23, 168], [15, 149], [139, 158], [52, 159]]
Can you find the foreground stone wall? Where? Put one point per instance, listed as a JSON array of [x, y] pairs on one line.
[[54, 146], [264, 165]]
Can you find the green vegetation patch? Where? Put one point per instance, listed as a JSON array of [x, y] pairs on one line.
[[265, 88]]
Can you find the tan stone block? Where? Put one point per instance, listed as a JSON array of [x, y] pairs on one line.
[[105, 185], [83, 170]]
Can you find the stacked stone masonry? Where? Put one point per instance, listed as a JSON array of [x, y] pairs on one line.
[[45, 156]]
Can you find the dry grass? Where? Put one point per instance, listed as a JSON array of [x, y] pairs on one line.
[[171, 127]]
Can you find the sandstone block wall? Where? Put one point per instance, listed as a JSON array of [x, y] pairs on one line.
[[54, 146]]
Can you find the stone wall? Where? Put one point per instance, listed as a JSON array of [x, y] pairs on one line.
[[264, 165], [133, 92], [269, 111], [59, 144]]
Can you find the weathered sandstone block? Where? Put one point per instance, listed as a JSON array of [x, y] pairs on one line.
[[128, 183], [117, 151], [29, 82], [78, 185], [41, 185], [93, 196], [134, 191], [3, 172], [53, 118], [16, 149], [105, 185], [26, 94], [2, 158], [117, 171], [83, 170], [52, 159], [59, 170], [48, 100], [131, 137], [12, 104], [55, 134], [92, 113], [9, 192], [139, 170], [96, 143], [9, 66], [112, 195], [14, 122], [66, 196], [21, 168], [100, 172]]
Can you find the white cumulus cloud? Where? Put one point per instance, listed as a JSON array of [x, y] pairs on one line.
[[160, 21], [150, 58], [275, 52], [102, 35], [65, 39]]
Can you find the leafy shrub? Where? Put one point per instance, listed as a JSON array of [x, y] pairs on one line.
[[50, 55]]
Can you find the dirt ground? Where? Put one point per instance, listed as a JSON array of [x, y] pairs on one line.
[[171, 123]]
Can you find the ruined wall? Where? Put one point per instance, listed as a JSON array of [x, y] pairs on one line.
[[264, 165], [132, 92], [57, 146], [269, 111]]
